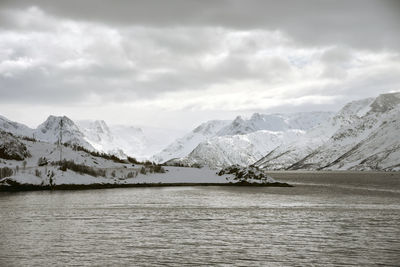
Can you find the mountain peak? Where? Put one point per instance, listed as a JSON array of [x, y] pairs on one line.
[[238, 120], [256, 116], [385, 102]]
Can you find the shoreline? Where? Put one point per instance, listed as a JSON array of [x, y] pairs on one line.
[[28, 187]]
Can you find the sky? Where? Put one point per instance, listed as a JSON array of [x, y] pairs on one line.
[[174, 64]]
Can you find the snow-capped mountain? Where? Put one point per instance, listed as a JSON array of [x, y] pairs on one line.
[[243, 141], [15, 128], [362, 136], [288, 154], [245, 149], [118, 140], [274, 122], [49, 131], [184, 145]]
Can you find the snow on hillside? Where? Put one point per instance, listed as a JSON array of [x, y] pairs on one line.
[[363, 136], [118, 140], [275, 122], [15, 128], [243, 150], [184, 145], [243, 142], [98, 134], [49, 131], [290, 153], [31, 171], [122, 140]]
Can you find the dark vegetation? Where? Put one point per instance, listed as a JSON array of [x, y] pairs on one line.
[[175, 163], [242, 174], [103, 155], [12, 148], [15, 186], [79, 168], [151, 167], [27, 138], [96, 154], [6, 172], [42, 161]]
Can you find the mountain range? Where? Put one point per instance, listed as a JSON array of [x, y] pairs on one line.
[[363, 135], [96, 135], [241, 141]]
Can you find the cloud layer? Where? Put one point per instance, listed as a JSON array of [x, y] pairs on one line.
[[193, 59]]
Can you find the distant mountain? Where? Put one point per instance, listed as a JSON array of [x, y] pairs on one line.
[[363, 135], [184, 145], [245, 149], [288, 154], [15, 128], [48, 131], [119, 140], [243, 141], [274, 122]]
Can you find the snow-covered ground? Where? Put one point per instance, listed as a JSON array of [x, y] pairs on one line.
[[28, 171], [172, 175]]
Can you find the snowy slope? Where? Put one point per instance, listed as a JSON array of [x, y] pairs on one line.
[[288, 154], [380, 150], [243, 142], [369, 135], [118, 140], [28, 172], [362, 136], [274, 122], [184, 145], [15, 128], [49, 131], [243, 150]]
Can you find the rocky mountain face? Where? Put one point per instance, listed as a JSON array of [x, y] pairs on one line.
[[12, 148], [363, 135], [243, 141]]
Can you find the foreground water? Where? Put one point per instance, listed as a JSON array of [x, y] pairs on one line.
[[326, 221]]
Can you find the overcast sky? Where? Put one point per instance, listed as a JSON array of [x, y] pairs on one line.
[[178, 63]]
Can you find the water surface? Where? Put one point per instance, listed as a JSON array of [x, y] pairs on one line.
[[322, 221]]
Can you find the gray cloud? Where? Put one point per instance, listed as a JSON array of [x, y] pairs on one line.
[[197, 56], [359, 23]]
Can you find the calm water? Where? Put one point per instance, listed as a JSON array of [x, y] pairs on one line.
[[321, 221]]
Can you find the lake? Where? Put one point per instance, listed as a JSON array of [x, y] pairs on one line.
[[327, 219]]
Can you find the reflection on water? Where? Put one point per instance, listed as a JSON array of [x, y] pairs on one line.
[[311, 224]]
